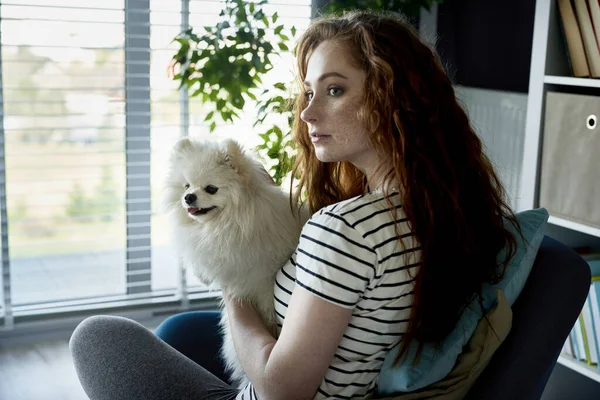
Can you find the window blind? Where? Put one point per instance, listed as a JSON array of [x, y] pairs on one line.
[[87, 115]]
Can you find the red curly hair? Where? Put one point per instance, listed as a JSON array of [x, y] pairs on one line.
[[453, 199]]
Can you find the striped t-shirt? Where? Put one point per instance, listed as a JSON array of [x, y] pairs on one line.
[[349, 255]]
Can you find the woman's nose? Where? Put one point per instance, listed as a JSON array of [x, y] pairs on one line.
[[308, 115]]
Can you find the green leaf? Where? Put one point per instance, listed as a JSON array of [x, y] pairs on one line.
[[283, 46], [275, 16], [265, 20], [280, 86], [252, 96], [252, 6], [209, 115], [196, 92], [284, 37], [223, 25], [213, 126], [273, 153], [293, 31], [278, 29], [238, 102]]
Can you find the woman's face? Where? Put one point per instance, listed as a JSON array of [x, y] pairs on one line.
[[335, 90]]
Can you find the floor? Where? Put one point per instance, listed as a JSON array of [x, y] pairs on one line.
[[39, 372], [45, 372]]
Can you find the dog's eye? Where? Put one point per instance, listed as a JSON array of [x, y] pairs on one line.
[[210, 189], [187, 186]]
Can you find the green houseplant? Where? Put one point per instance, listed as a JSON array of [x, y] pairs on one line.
[[225, 64]]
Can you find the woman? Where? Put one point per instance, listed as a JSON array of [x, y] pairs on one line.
[[408, 221]]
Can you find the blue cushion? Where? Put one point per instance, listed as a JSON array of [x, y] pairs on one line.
[[437, 361]]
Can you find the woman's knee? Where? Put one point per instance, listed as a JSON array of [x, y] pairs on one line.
[[100, 332]]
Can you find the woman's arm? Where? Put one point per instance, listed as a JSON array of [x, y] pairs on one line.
[[293, 366]]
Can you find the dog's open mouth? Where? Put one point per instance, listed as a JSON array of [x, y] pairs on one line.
[[200, 211]]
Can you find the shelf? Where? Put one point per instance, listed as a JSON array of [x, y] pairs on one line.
[[569, 81], [576, 226], [590, 371]]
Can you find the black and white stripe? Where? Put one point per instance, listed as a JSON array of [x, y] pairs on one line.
[[349, 254]]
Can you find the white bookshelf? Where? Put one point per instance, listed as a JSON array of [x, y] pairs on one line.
[[550, 71], [570, 81], [565, 223], [591, 371]]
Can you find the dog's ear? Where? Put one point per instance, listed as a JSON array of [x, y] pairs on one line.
[[180, 149], [232, 154], [183, 144]]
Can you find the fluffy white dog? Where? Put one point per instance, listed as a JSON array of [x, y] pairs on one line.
[[232, 226]]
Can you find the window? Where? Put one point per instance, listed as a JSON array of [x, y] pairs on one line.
[[88, 114], [64, 131]]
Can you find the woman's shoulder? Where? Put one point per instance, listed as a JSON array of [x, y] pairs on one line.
[[360, 211], [372, 201]]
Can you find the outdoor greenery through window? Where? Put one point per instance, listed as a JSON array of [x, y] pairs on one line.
[[89, 115]]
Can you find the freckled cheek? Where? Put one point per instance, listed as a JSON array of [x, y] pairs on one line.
[[349, 127]]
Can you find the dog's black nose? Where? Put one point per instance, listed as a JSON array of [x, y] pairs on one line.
[[190, 198]]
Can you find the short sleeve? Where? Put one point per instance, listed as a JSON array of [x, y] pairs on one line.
[[333, 261]]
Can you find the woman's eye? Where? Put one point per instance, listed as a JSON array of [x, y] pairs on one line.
[[335, 91], [308, 95], [187, 186]]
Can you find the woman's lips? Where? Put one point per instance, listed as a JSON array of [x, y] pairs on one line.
[[318, 137]]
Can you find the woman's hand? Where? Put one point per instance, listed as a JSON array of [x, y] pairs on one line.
[[235, 307], [308, 343]]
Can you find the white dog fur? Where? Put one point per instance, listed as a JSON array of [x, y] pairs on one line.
[[237, 237]]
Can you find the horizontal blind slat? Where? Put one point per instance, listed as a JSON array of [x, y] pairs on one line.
[[136, 48]]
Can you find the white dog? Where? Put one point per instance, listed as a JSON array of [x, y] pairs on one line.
[[232, 225]]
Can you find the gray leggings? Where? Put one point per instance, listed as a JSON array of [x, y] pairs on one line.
[[119, 359]]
